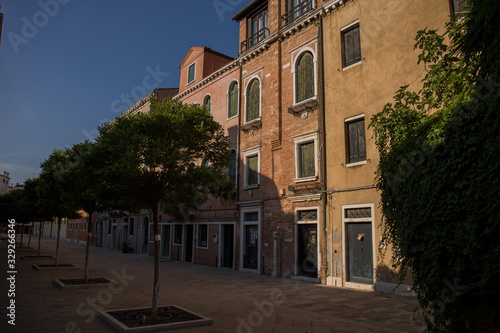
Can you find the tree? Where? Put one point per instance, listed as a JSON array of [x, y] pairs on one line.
[[88, 190], [438, 173], [154, 157], [53, 193]]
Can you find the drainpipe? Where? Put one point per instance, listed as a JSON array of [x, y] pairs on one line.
[[322, 137]]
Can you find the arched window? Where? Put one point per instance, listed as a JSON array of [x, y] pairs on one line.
[[304, 77], [253, 100], [207, 102], [232, 100]]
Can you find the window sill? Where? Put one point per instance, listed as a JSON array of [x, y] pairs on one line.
[[233, 117], [350, 165], [305, 179], [353, 65], [250, 187], [309, 105]]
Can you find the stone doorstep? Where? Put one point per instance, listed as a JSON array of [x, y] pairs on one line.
[[61, 285], [37, 267], [204, 321]]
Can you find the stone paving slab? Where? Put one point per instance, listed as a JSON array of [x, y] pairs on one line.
[[235, 301]]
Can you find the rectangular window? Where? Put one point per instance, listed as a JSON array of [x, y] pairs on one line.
[[258, 28], [109, 227], [253, 170], [191, 71], [151, 233], [203, 235], [351, 46], [178, 234], [306, 160], [131, 226], [356, 142]]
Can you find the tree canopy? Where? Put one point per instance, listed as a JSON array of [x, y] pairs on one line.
[[155, 158]]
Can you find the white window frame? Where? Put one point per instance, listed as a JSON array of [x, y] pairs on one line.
[[237, 102], [300, 139], [293, 69], [211, 101], [198, 236], [246, 101], [257, 210], [344, 245], [297, 222], [342, 31], [246, 154], [194, 77]]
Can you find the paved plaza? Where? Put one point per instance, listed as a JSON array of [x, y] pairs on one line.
[[236, 301]]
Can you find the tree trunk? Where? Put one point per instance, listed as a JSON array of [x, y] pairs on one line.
[[87, 249], [57, 243], [22, 232], [156, 287], [40, 232], [29, 239]]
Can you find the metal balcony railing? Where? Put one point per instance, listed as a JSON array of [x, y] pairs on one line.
[[296, 12], [254, 39]]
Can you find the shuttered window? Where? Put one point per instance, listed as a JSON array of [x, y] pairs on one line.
[[253, 170], [356, 141], [351, 46], [304, 77], [191, 72], [307, 165], [232, 107], [253, 100]]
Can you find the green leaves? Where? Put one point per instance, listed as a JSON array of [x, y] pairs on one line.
[[438, 174]]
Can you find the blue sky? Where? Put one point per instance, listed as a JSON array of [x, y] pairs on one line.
[[68, 65]]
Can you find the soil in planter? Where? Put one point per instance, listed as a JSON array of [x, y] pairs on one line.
[[142, 317], [76, 282], [37, 257]]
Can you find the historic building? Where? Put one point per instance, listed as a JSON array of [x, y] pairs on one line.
[[4, 182], [280, 197], [208, 235], [368, 56]]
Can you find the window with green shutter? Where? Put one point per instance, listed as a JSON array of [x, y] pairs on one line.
[[253, 100], [307, 164], [356, 142], [191, 71], [252, 170], [304, 79], [232, 102]]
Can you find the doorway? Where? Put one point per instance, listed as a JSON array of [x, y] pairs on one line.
[[188, 254], [307, 250], [227, 245], [359, 245], [145, 235], [166, 241]]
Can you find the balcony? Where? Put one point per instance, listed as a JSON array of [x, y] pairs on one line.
[[254, 39], [296, 12]]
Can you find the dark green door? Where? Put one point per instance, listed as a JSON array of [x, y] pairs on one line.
[[251, 247], [359, 252], [166, 241], [189, 243], [227, 245], [307, 250]]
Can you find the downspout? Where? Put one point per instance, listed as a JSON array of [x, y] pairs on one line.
[[322, 138]]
